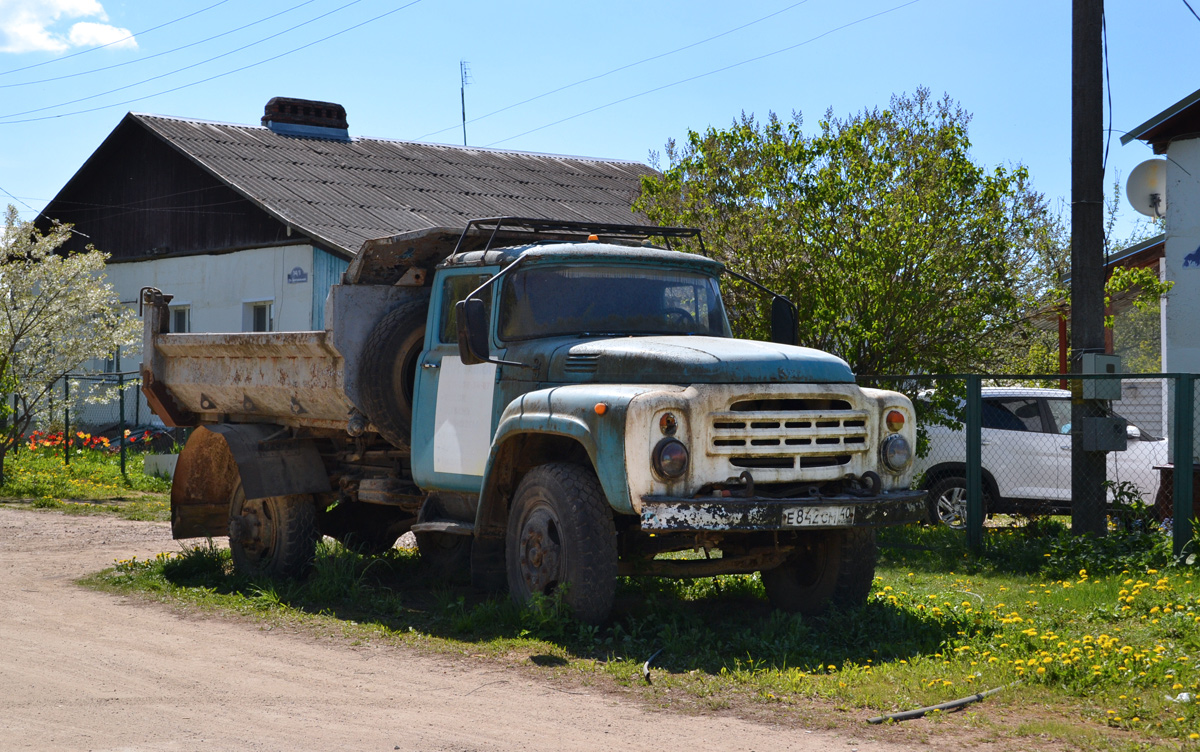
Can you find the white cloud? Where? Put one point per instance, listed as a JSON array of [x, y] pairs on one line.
[[30, 26], [88, 34]]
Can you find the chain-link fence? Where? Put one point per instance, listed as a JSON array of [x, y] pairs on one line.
[[1097, 447]]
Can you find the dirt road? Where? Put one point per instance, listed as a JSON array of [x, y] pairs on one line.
[[81, 670]]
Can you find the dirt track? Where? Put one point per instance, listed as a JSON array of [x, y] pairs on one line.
[[86, 670]]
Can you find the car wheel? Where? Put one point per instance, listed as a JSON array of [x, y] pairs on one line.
[[948, 502]]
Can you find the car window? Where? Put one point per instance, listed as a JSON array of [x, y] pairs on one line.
[[1013, 415], [1060, 414]]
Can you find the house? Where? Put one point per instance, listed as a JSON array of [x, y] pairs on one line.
[[248, 226]]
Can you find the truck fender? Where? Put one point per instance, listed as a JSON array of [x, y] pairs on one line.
[[263, 457], [553, 425]]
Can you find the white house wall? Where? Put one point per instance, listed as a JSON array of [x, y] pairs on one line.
[[1181, 264], [217, 288]]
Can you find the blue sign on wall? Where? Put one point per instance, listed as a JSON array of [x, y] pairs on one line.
[[296, 276]]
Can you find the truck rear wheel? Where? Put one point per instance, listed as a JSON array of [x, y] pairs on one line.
[[388, 374], [561, 540], [444, 556], [827, 568], [274, 537]]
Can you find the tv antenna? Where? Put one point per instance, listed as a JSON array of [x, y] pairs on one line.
[[464, 78]]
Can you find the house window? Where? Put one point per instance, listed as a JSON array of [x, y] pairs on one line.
[[181, 319], [258, 316]]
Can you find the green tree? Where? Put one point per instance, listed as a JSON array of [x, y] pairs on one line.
[[56, 311], [902, 254]]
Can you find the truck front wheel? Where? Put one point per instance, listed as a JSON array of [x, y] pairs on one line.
[[828, 567], [562, 541], [274, 537]]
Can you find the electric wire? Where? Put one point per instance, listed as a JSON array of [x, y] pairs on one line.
[[184, 68], [615, 70], [159, 54], [1193, 10], [219, 75], [705, 75], [1108, 90], [115, 41]]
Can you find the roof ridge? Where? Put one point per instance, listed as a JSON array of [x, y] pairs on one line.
[[435, 144]]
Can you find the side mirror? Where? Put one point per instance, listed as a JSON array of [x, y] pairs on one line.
[[473, 345], [783, 321], [1133, 432]]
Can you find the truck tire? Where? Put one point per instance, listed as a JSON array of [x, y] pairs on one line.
[[444, 556], [561, 540], [388, 373], [827, 568], [273, 537]]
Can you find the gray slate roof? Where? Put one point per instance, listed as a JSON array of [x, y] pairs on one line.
[[346, 192]]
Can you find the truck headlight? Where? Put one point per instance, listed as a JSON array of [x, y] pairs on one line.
[[670, 458], [896, 452]]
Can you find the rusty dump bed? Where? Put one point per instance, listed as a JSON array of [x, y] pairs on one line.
[[288, 378]]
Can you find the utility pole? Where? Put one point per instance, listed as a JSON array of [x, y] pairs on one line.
[[1088, 503], [464, 78]]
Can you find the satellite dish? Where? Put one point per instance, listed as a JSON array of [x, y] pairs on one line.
[[1147, 188]]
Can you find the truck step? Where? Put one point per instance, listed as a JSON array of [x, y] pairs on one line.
[[448, 527]]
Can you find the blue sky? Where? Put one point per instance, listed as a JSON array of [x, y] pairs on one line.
[[397, 73]]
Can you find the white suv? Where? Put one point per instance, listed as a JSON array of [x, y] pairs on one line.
[[1026, 457]]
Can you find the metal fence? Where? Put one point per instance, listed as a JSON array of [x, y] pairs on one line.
[[1097, 447]]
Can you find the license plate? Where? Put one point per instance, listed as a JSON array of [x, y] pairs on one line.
[[817, 516]]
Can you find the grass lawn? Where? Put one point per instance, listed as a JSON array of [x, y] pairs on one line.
[[1095, 643], [91, 484]]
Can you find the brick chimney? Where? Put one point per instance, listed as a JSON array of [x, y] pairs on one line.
[[306, 118]]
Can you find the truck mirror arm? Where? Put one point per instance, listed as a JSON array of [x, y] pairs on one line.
[[784, 314], [473, 347]]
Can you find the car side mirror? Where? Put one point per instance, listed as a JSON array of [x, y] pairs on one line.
[[1133, 432], [783, 321], [473, 345]]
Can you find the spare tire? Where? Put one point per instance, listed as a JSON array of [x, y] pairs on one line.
[[388, 373]]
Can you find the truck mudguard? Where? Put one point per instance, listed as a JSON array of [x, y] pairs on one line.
[[264, 457]]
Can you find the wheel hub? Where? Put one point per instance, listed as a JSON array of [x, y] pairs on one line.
[[540, 552]]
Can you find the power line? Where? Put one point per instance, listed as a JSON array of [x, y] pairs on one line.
[[616, 70], [159, 54], [1193, 10], [180, 70], [218, 75], [115, 41], [709, 73]]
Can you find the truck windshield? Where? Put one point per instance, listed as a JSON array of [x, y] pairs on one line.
[[552, 301]]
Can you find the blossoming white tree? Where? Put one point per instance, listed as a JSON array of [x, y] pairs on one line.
[[56, 311]]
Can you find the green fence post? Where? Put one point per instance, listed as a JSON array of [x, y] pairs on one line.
[[974, 462], [1184, 426], [66, 420], [121, 392]]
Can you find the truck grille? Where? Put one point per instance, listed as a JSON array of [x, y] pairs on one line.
[[786, 433]]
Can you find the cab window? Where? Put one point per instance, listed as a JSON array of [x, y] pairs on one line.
[[454, 289]]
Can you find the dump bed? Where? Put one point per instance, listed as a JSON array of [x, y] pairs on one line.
[[289, 378]]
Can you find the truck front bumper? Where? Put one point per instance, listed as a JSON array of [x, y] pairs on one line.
[[673, 514]]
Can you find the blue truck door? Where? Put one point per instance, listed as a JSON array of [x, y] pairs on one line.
[[455, 403]]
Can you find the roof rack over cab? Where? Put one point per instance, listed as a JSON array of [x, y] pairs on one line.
[[564, 230]]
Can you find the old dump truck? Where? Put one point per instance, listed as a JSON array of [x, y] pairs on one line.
[[551, 404]]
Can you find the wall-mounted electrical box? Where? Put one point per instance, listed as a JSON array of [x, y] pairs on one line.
[[1101, 389], [1104, 434]]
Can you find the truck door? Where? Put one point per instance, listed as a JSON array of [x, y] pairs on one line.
[[453, 414]]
